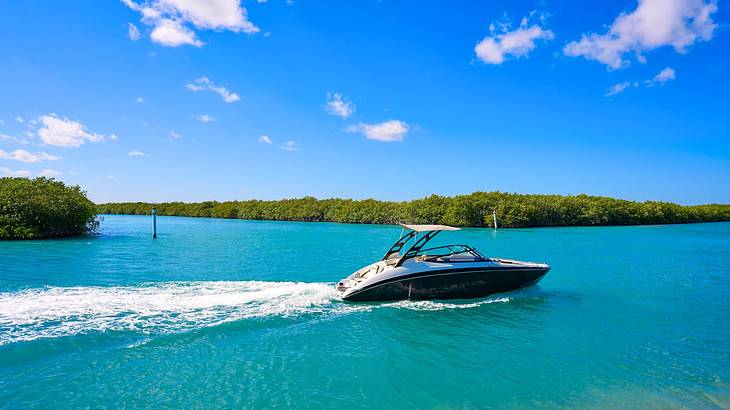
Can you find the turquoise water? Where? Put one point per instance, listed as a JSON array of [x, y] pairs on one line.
[[228, 313]]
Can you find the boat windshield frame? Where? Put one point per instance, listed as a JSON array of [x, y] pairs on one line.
[[420, 242], [399, 244]]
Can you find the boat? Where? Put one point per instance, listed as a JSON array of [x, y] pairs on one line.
[[442, 272]]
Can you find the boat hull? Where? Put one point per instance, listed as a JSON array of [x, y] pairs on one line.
[[449, 284]]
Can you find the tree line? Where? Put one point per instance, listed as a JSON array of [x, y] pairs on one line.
[[473, 210]]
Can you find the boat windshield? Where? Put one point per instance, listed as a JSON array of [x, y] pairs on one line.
[[451, 253], [447, 253]]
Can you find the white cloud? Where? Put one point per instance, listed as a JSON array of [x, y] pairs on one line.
[[619, 88], [654, 24], [132, 32], [49, 173], [173, 34], [518, 43], [139, 100], [204, 118], [111, 177], [662, 77], [205, 84], [174, 135], [8, 138], [173, 21], [336, 105], [25, 156], [63, 132], [136, 153], [18, 118], [7, 172], [264, 139], [659, 79], [387, 131], [289, 146]]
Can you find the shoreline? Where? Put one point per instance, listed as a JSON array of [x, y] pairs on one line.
[[395, 225], [476, 210]]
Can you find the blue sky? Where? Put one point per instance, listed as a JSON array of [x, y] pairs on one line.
[[187, 100]]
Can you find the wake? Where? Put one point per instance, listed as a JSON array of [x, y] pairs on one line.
[[171, 307]]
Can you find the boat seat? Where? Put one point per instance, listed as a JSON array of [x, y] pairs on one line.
[[393, 259]]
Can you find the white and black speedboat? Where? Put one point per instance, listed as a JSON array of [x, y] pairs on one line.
[[443, 272]]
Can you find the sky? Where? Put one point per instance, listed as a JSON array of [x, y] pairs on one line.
[[192, 100]]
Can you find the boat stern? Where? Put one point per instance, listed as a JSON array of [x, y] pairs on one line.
[[352, 283]]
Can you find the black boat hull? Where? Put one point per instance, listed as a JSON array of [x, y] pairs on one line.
[[456, 284]]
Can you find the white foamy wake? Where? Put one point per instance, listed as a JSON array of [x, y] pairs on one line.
[[173, 307], [157, 307], [434, 305]]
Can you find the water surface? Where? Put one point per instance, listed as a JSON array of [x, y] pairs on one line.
[[229, 313]]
